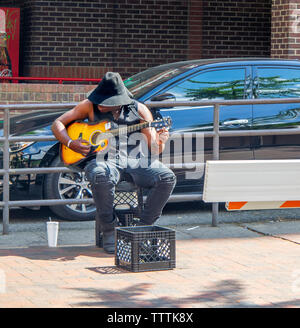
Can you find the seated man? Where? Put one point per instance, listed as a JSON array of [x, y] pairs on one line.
[[111, 101]]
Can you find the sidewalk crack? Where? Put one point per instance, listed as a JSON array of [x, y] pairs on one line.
[[271, 235]]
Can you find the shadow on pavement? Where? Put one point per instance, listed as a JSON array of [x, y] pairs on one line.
[[226, 293], [58, 253]]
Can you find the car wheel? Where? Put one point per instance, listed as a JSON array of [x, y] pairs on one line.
[[65, 186]]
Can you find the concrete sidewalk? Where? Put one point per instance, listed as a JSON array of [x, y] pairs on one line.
[[232, 265]]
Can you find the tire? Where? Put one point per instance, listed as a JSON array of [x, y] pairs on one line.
[[65, 186]]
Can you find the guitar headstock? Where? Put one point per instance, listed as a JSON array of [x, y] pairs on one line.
[[164, 122]]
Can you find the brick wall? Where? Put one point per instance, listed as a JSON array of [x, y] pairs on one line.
[[236, 28], [87, 38], [42, 93], [286, 29]]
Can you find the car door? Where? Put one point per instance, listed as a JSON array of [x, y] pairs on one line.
[[228, 83], [276, 82]]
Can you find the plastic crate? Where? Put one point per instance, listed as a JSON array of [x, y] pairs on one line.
[[145, 248]]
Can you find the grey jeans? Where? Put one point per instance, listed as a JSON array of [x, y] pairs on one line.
[[104, 176]]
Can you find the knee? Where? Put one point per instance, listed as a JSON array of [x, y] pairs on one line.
[[99, 176], [167, 177]]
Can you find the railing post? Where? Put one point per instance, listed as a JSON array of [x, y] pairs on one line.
[[6, 173], [216, 156]]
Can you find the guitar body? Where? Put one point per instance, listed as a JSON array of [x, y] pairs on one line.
[[97, 134], [86, 131]]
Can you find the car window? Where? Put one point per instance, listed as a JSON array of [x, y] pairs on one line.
[[278, 82], [215, 84], [139, 84]]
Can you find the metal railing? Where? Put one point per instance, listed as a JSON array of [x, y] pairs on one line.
[[216, 134], [60, 80]]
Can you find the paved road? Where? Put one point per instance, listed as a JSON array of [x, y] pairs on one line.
[[181, 213], [29, 225]]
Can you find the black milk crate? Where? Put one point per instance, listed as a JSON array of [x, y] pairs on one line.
[[145, 248]]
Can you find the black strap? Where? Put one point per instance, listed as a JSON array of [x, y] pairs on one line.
[[134, 108]]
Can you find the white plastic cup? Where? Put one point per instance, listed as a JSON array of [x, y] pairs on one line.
[[52, 233]]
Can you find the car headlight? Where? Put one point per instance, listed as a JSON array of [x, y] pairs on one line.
[[18, 146]]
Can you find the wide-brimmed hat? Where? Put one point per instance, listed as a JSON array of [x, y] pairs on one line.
[[111, 91]]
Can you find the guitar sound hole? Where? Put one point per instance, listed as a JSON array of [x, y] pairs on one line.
[[95, 138]]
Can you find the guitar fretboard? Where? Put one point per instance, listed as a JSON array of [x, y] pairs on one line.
[[130, 128]]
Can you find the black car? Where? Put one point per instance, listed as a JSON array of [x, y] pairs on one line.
[[195, 80]]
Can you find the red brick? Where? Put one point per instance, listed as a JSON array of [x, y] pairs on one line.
[[32, 93]]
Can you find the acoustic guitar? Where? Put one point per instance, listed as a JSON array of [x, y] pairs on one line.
[[98, 134]]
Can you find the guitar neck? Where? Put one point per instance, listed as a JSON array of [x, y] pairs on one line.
[[130, 128]]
